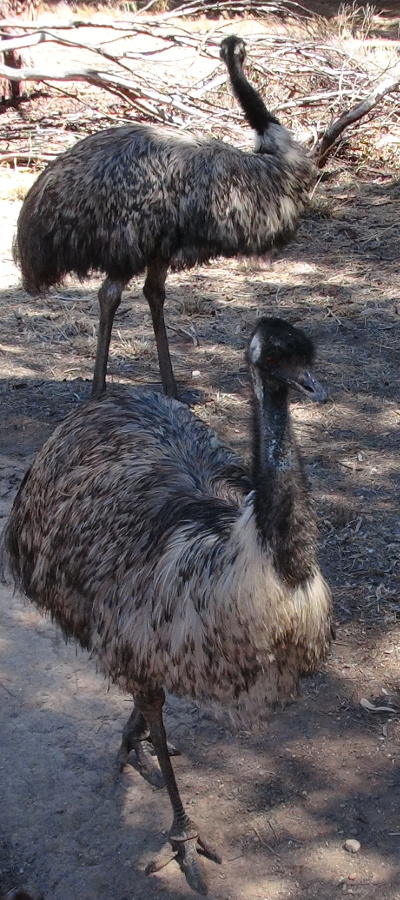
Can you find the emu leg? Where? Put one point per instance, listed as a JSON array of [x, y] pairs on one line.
[[184, 835], [154, 291], [135, 733], [109, 297]]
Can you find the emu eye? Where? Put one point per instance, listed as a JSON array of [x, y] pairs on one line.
[[270, 360]]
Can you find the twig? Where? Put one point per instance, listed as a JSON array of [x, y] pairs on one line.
[[6, 689], [26, 158], [271, 849]]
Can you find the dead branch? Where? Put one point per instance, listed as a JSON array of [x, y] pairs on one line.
[[25, 158], [330, 138], [146, 100], [185, 11], [41, 36], [124, 87], [318, 84]]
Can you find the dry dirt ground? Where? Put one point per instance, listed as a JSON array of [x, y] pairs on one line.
[[282, 804]]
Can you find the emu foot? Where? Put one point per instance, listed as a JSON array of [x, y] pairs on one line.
[[143, 760], [186, 845]]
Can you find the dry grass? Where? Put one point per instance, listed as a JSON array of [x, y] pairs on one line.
[[15, 182]]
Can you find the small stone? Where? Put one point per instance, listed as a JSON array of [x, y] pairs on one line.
[[352, 846]]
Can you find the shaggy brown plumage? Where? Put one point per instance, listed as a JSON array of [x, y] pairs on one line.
[[140, 197], [154, 546]]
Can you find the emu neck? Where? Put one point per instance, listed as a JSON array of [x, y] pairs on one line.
[[285, 522], [253, 106]]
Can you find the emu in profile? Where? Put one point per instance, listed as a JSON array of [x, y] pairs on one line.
[[138, 198], [152, 545]]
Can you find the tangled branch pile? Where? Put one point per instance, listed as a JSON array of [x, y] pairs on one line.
[[317, 77]]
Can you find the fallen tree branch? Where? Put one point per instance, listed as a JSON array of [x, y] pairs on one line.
[[331, 135], [124, 87], [25, 158]]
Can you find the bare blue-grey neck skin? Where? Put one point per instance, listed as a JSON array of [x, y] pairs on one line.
[[278, 358], [233, 53]]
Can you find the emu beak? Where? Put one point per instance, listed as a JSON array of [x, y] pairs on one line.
[[303, 381], [307, 384]]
